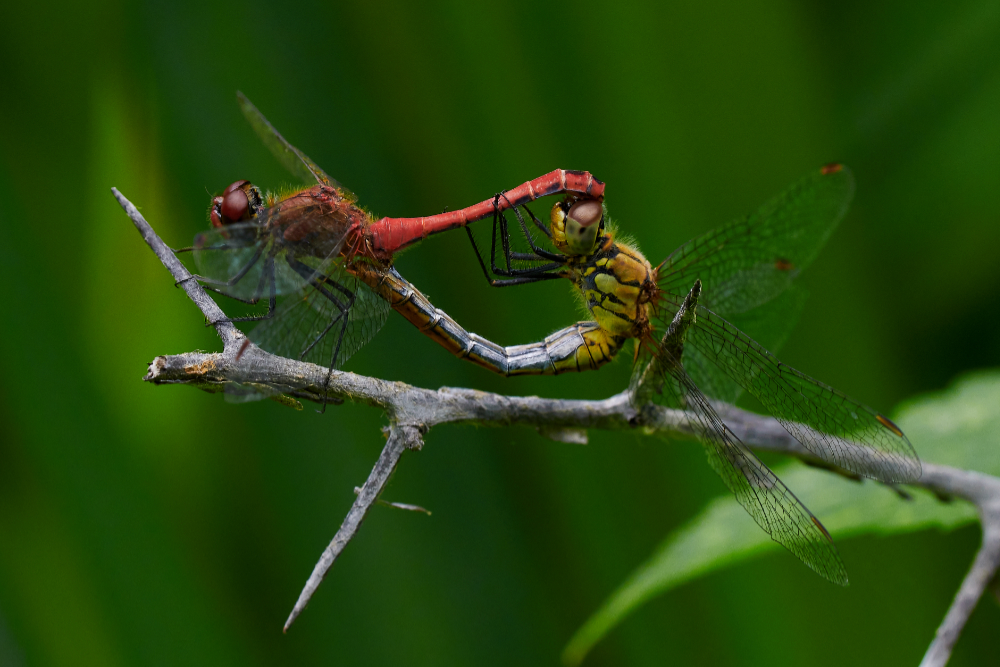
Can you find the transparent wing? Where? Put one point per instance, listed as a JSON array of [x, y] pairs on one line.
[[245, 261], [771, 504], [326, 321], [769, 324], [752, 260], [828, 423], [290, 157]]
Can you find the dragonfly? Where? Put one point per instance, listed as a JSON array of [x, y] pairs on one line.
[[689, 357], [331, 260]]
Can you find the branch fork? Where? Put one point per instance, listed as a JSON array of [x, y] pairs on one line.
[[413, 411]]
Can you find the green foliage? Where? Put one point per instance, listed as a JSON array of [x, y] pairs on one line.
[[958, 427], [144, 525]]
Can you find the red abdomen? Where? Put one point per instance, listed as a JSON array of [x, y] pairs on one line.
[[392, 234]]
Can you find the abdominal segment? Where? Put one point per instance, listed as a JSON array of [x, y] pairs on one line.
[[583, 346]]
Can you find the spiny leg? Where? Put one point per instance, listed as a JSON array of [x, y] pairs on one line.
[[341, 307], [538, 223], [493, 244], [520, 276], [320, 286], [238, 276], [267, 275], [539, 252], [541, 273]]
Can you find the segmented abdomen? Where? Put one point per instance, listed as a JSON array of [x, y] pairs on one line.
[[581, 347]]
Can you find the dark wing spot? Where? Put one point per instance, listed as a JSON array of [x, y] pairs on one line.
[[885, 421], [821, 527]]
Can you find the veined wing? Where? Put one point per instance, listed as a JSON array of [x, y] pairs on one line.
[[828, 423], [329, 319], [295, 161], [325, 322], [750, 261], [769, 324], [250, 260], [771, 504], [245, 261]]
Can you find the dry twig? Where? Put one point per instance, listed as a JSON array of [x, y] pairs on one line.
[[413, 411]]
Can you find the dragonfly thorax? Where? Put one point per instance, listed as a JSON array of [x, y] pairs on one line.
[[317, 221], [616, 283]]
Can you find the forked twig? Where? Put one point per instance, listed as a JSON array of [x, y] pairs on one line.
[[400, 439], [412, 411]]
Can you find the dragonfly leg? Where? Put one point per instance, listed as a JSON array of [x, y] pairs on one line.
[[342, 308], [252, 301], [520, 280], [208, 283], [238, 276], [320, 285], [519, 276], [540, 252], [266, 276], [538, 223], [537, 255]]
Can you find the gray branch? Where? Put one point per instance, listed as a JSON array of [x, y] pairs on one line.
[[413, 411], [400, 438]]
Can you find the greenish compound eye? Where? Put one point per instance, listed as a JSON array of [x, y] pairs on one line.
[[582, 225]]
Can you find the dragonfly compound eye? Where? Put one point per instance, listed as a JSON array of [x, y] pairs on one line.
[[585, 213], [235, 206], [238, 185], [582, 226]]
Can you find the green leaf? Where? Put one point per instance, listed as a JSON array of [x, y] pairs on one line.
[[959, 427]]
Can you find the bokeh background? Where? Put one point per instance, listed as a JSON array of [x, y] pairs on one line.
[[144, 525]]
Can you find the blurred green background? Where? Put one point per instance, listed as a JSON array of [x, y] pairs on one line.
[[144, 525]]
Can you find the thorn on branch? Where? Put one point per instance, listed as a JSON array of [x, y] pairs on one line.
[[400, 506]]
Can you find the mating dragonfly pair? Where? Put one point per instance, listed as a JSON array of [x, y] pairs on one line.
[[332, 264]]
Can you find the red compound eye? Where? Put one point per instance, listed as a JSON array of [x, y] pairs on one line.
[[238, 185], [585, 213], [235, 205]]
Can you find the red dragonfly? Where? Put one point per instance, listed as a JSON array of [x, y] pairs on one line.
[[320, 246]]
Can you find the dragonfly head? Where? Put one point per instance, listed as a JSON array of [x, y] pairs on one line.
[[576, 225], [239, 202]]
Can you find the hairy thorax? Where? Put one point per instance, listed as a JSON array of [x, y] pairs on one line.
[[319, 221], [616, 283]]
